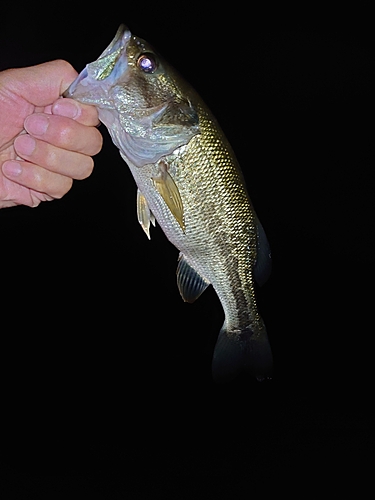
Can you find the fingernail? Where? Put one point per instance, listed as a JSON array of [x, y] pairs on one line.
[[24, 145], [36, 124], [66, 107], [12, 169]]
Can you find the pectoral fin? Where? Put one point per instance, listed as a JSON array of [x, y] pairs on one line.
[[190, 283], [168, 190], [144, 214]]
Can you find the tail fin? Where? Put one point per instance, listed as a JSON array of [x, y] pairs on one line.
[[241, 351]]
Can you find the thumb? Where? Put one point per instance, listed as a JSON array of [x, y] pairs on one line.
[[41, 84]]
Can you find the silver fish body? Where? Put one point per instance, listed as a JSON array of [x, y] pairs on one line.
[[189, 180]]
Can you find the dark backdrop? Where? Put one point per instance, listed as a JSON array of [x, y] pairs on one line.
[[106, 385]]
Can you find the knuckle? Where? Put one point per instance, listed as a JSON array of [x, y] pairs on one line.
[[51, 156], [53, 186], [37, 180], [90, 115], [63, 64], [86, 169], [91, 141], [76, 137], [63, 188], [67, 135], [97, 142]]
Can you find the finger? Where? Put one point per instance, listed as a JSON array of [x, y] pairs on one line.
[[64, 133], [82, 113], [58, 160], [37, 178], [16, 194]]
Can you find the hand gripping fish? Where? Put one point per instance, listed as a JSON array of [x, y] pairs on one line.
[[189, 181]]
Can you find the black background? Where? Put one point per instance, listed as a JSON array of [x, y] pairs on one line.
[[106, 385]]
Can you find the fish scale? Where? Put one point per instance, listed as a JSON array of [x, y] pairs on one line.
[[224, 219], [189, 180]]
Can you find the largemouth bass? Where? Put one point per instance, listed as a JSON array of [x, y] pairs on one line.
[[190, 182]]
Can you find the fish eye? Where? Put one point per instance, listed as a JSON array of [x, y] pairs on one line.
[[147, 63]]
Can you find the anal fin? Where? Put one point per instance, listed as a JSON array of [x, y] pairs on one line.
[[190, 283]]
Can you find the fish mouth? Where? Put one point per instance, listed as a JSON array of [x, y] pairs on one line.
[[120, 40], [69, 92], [110, 64]]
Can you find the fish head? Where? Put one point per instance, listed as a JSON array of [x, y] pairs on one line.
[[142, 101]]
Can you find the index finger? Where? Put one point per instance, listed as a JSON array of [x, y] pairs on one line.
[[81, 113], [40, 84]]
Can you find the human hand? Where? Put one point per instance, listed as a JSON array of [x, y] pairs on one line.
[[45, 141]]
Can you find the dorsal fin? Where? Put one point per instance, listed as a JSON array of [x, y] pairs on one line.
[[263, 264]]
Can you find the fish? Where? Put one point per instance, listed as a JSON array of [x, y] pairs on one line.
[[189, 181]]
